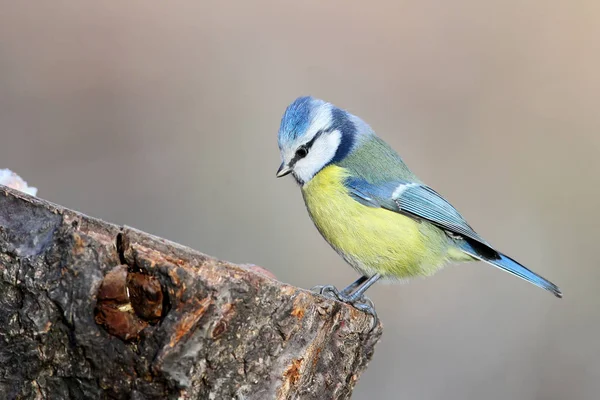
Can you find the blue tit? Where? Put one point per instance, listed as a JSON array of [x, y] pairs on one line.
[[371, 208]]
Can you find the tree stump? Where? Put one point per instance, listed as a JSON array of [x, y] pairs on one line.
[[91, 310]]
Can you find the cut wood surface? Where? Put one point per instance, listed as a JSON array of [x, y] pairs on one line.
[[89, 309]]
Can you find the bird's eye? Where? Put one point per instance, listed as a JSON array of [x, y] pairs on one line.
[[301, 152]]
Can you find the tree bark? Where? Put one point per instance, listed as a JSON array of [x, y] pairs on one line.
[[92, 310]]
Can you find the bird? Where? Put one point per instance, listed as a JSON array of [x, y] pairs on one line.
[[371, 208]]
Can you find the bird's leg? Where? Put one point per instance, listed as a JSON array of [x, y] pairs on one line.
[[351, 287], [333, 292], [361, 302], [353, 294], [362, 288]]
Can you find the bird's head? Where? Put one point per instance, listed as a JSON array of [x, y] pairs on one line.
[[314, 134]]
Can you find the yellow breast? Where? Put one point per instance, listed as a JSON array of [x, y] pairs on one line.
[[370, 239]]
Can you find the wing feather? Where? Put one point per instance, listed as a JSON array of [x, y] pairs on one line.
[[423, 203], [416, 200]]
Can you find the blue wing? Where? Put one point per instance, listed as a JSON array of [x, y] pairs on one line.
[[415, 200], [421, 202]]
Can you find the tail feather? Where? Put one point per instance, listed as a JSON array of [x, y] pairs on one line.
[[509, 265]]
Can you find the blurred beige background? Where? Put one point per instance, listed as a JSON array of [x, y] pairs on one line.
[[164, 117]]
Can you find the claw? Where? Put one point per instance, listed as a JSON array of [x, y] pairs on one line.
[[317, 288], [329, 291], [362, 303], [366, 305]]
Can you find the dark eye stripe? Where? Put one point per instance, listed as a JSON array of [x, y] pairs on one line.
[[309, 144], [305, 148]]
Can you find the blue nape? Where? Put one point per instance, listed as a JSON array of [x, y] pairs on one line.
[[347, 128]]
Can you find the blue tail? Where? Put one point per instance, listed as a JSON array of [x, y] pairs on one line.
[[506, 263]]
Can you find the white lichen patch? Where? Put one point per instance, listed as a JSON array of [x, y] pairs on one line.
[[14, 181]]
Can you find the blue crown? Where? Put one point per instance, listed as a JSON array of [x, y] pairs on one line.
[[296, 119]]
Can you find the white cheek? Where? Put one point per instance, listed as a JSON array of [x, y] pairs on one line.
[[321, 153]]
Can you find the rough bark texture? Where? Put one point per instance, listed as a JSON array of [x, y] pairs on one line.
[[92, 310]]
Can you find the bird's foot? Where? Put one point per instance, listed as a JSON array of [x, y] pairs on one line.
[[362, 303], [367, 306], [331, 292]]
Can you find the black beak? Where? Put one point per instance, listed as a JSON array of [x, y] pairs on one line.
[[283, 170]]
